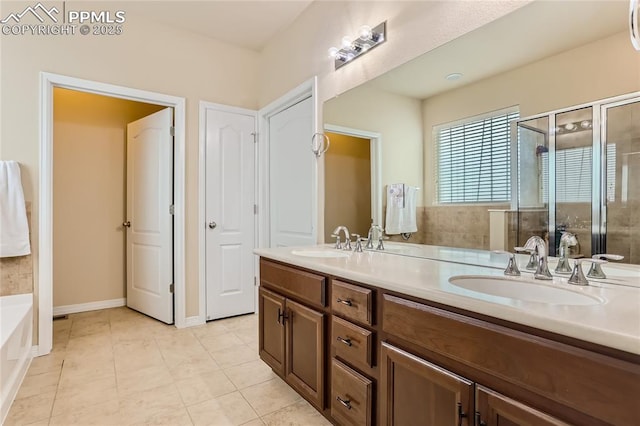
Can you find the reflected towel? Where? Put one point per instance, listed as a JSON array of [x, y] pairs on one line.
[[401, 209], [14, 228]]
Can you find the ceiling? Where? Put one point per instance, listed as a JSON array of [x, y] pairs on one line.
[[247, 24], [533, 32]]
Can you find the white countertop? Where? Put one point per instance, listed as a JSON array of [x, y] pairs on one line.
[[613, 320]]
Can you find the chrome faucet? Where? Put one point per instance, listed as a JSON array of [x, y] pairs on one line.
[[347, 238], [596, 271], [371, 237], [567, 240], [538, 245], [577, 276], [512, 267]]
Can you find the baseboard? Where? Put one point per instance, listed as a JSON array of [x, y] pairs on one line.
[[35, 351], [91, 306], [193, 321]]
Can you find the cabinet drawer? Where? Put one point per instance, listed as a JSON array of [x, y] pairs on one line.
[[352, 301], [293, 282], [351, 395], [351, 342]]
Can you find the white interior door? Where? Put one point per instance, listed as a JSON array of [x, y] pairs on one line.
[[292, 177], [229, 212], [149, 219]]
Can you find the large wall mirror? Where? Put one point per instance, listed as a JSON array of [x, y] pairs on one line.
[[543, 57]]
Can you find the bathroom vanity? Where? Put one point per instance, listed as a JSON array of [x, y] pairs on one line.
[[374, 338]]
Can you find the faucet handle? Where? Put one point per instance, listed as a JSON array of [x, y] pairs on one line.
[[596, 271], [512, 266], [338, 245], [358, 246], [577, 276], [380, 244], [532, 265]]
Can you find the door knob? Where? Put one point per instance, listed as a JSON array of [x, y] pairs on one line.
[[212, 225], [126, 224]]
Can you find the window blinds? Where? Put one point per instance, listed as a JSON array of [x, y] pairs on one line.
[[473, 160]]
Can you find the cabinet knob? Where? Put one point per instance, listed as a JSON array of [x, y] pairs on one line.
[[345, 302], [345, 402]]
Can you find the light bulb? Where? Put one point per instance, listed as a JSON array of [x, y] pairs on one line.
[[346, 42], [570, 126], [349, 57], [365, 32], [586, 124], [333, 52]]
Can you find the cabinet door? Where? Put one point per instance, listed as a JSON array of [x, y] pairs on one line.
[[305, 352], [414, 391], [494, 409], [271, 336]]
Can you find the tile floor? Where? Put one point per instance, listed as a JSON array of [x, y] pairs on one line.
[[118, 367]]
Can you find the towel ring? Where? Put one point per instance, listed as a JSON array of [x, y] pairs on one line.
[[406, 235], [319, 149]]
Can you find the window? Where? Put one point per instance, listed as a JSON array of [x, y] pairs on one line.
[[474, 159], [573, 169]]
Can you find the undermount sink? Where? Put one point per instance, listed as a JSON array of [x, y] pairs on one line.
[[327, 254], [524, 290]]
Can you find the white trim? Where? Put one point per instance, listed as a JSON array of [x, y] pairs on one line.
[[308, 89], [35, 351], [90, 306], [202, 196], [194, 321], [45, 243], [375, 143]]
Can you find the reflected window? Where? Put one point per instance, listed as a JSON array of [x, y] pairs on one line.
[[573, 166], [474, 159]]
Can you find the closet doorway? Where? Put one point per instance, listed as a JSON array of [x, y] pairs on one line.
[[352, 185], [107, 170]]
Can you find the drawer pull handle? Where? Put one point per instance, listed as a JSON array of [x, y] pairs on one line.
[[345, 302], [345, 341], [346, 403]]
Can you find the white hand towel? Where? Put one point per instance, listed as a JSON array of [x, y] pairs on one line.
[[401, 209], [14, 228]]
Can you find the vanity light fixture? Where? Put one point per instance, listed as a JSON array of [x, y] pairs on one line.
[[367, 39], [572, 127]]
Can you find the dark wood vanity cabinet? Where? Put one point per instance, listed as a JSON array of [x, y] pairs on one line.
[[365, 356], [291, 334]]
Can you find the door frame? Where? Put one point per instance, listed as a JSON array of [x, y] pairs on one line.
[[45, 198], [202, 221], [308, 89], [375, 146]]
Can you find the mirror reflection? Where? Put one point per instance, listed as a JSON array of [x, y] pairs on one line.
[[439, 117]]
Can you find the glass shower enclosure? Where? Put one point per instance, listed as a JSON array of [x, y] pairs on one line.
[[578, 171]]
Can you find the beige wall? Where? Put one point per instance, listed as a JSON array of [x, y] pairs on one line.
[[605, 68], [397, 118], [89, 195], [146, 56], [347, 185]]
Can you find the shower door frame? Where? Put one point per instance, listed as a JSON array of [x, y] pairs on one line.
[[598, 172]]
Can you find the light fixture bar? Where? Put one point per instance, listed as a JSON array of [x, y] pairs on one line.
[[367, 39]]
